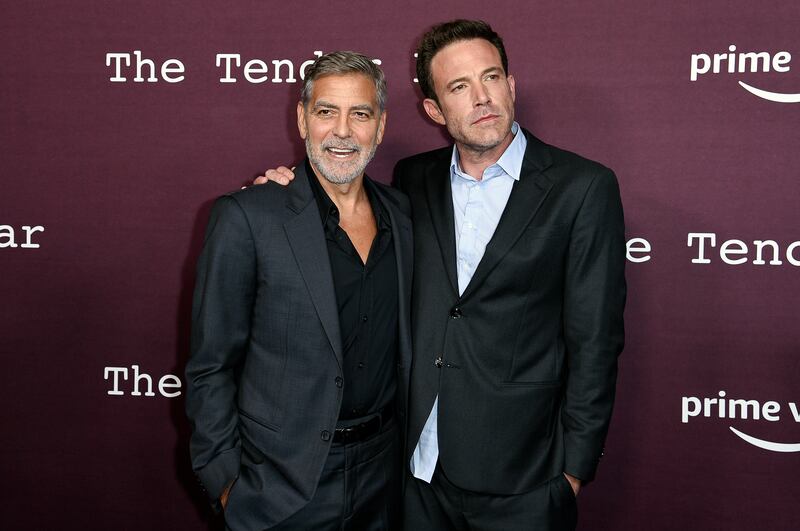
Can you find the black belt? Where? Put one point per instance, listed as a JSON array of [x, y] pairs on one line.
[[364, 430]]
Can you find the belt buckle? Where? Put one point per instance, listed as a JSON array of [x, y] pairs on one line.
[[351, 433], [357, 431], [348, 433]]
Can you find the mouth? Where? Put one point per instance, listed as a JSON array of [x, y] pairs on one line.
[[341, 153], [485, 119]]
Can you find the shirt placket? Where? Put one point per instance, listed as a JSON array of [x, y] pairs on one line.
[[468, 238]]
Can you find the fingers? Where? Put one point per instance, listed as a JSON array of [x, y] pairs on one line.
[[282, 175], [286, 172], [223, 499], [275, 176]]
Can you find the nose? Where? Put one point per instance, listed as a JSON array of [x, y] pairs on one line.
[[342, 127], [481, 95]]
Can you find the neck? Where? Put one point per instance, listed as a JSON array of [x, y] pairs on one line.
[[348, 196], [474, 160]]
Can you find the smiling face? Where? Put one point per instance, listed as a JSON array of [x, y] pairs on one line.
[[476, 97], [342, 126]]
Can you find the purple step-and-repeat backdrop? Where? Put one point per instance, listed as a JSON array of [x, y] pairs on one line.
[[122, 121]]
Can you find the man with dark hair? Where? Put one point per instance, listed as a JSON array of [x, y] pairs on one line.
[[298, 376], [517, 303], [447, 33]]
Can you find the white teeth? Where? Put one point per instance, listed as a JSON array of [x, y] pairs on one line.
[[338, 152]]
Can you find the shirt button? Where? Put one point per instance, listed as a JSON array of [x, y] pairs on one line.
[[339, 381], [325, 435]]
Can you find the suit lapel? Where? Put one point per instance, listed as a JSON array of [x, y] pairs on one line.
[[526, 197], [404, 252], [440, 207], [307, 240]]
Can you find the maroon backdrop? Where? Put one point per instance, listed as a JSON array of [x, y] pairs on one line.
[[106, 188]]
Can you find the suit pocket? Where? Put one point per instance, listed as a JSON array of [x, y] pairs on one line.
[[535, 366], [259, 420], [563, 495]]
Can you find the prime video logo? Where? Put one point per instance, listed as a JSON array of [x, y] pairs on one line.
[[737, 409], [732, 62]]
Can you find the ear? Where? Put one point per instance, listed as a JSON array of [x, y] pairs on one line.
[[512, 87], [301, 120], [381, 127], [433, 111]]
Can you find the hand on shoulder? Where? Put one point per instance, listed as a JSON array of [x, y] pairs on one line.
[[281, 175]]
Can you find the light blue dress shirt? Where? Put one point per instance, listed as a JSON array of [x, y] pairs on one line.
[[477, 207]]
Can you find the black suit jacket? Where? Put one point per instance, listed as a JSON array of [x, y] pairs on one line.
[[529, 351], [263, 386]]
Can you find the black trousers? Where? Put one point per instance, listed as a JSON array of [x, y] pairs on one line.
[[442, 506], [359, 489]]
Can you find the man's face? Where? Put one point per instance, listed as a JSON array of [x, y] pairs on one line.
[[342, 126], [476, 97]]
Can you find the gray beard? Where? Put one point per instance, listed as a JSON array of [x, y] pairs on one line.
[[317, 161]]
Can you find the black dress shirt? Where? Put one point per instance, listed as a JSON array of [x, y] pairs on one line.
[[367, 299]]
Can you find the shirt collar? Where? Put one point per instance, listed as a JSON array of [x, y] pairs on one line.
[[509, 163], [327, 209]]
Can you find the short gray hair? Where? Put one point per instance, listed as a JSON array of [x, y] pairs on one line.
[[343, 63]]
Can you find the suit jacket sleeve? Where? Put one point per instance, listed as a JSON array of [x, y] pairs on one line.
[[221, 314], [594, 300]]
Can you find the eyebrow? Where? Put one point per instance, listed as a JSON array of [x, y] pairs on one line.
[[466, 78], [362, 107], [323, 103], [329, 105]]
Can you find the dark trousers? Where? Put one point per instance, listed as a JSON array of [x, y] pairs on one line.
[[359, 489], [441, 506]]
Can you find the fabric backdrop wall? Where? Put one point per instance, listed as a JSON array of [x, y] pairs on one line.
[[109, 173]]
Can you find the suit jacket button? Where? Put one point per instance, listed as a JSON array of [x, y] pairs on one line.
[[325, 435], [456, 313], [339, 381], [438, 362]]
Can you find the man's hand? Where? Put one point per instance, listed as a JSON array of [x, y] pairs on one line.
[[574, 482], [282, 175], [223, 498]]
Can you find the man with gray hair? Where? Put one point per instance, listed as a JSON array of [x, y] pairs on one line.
[[300, 351]]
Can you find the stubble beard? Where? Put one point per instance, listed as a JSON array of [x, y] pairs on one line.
[[477, 144]]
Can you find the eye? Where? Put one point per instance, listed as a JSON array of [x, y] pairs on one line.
[[324, 113], [361, 115], [459, 87], [492, 77]]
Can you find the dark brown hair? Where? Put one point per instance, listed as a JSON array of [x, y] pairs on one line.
[[447, 33]]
